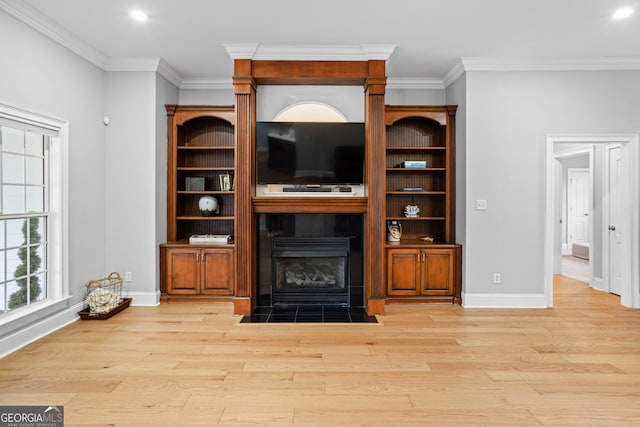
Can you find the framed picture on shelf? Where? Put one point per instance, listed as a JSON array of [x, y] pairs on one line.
[[225, 181]]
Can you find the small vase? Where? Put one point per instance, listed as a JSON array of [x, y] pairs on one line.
[[394, 231]]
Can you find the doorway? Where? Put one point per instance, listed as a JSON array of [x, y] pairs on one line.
[[574, 187], [601, 211]]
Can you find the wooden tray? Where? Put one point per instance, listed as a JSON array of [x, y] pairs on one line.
[[87, 315]]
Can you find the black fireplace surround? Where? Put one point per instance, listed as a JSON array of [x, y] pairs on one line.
[[308, 259]]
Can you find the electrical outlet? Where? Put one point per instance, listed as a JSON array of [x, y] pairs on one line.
[[127, 276], [497, 278]]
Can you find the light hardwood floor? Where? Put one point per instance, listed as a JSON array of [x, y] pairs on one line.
[[193, 364]]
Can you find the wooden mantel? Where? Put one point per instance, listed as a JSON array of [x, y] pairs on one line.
[[248, 74]]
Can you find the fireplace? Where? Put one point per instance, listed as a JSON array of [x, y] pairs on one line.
[[310, 259], [310, 271]]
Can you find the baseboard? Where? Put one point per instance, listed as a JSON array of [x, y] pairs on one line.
[[598, 284], [503, 300], [34, 332], [143, 299]]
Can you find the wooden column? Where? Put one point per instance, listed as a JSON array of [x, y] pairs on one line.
[[375, 165], [245, 240]]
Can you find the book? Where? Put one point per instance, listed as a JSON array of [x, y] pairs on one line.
[[414, 164]]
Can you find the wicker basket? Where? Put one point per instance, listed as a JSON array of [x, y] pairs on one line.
[[104, 298]]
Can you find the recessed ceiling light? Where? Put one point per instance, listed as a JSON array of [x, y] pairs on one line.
[[138, 15], [622, 13]]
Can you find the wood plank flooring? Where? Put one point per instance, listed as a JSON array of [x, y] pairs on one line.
[[577, 364]]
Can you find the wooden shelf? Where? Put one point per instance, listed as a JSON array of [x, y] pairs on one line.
[[403, 193], [196, 169], [205, 218], [403, 148], [192, 147], [201, 144], [420, 218], [417, 169], [222, 193], [301, 204]]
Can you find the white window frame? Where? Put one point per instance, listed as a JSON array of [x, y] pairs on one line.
[[58, 222]]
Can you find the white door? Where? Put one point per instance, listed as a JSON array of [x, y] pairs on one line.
[[616, 226], [578, 206]]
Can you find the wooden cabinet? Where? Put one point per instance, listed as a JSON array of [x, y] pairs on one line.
[[431, 273], [201, 151], [204, 145], [420, 172], [424, 136], [199, 270]]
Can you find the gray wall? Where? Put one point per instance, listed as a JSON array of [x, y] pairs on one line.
[[166, 93], [456, 94], [39, 75], [130, 157], [117, 174], [509, 115]]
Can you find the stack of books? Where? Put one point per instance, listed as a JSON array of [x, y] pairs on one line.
[[210, 238]]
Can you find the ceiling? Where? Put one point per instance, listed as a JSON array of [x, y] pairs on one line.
[[427, 38]]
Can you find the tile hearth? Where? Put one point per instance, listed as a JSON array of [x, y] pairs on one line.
[[309, 314]]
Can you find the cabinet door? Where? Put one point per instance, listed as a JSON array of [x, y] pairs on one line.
[[403, 271], [438, 271], [217, 271], [183, 271]]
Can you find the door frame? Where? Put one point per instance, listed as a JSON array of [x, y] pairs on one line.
[[630, 292]]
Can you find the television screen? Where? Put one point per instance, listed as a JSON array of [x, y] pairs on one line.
[[304, 153]]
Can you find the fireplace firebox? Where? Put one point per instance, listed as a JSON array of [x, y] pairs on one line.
[[310, 271]]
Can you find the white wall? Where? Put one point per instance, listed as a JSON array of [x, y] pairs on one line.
[[207, 96], [396, 96], [509, 115]]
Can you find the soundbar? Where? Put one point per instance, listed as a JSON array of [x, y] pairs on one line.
[[306, 189]]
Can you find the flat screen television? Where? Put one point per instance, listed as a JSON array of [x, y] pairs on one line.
[[310, 153]]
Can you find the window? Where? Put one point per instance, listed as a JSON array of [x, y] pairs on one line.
[[310, 111], [31, 220]]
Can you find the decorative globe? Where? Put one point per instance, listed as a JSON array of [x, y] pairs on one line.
[[208, 206]]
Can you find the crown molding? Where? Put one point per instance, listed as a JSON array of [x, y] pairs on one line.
[[39, 22], [169, 73], [453, 74], [604, 63], [277, 52], [132, 64], [414, 83], [158, 65]]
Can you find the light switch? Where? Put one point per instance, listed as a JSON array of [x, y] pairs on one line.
[[481, 205]]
